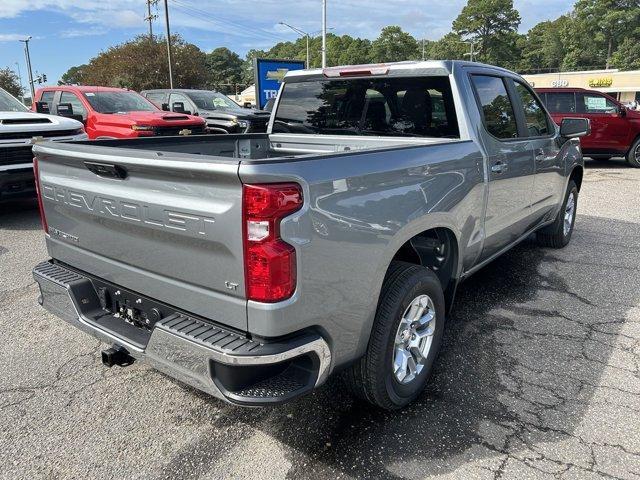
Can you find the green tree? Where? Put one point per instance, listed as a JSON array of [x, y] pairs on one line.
[[225, 69], [394, 45], [607, 23], [493, 24], [142, 64], [449, 47], [10, 82], [73, 76], [627, 56], [543, 47]]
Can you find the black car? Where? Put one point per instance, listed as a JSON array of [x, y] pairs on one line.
[[221, 113]]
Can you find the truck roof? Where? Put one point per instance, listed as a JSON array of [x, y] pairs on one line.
[[86, 88], [411, 67]]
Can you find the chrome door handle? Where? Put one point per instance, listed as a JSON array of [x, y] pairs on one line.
[[498, 167], [540, 155]]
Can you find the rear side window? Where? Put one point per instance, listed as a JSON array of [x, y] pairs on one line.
[[561, 102], [157, 98], [534, 114], [47, 97], [497, 110], [590, 103], [412, 106]]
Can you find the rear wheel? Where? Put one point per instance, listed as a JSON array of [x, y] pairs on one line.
[[633, 156], [558, 234], [405, 339]]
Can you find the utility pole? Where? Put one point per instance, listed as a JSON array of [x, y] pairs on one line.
[[423, 50], [324, 33], [21, 84], [150, 18], [166, 16], [28, 59], [300, 32]]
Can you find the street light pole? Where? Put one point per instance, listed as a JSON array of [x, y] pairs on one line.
[[324, 33], [166, 16], [20, 80], [28, 59], [304, 34]]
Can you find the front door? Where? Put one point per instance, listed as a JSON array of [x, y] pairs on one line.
[[548, 184], [609, 129], [510, 165]]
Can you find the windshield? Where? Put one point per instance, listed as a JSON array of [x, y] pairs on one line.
[[9, 103], [112, 102], [413, 106], [211, 100]]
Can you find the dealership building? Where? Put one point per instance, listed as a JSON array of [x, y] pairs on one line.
[[624, 86]]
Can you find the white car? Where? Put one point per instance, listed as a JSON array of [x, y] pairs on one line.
[[18, 127]]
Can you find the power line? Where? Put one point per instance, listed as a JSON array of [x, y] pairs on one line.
[[240, 29]]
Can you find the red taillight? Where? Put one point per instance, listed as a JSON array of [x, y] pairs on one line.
[[269, 262], [36, 174]]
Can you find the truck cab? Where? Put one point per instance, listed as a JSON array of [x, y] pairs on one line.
[[114, 112], [615, 129]]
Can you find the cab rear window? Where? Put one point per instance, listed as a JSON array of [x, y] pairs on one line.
[[416, 107]]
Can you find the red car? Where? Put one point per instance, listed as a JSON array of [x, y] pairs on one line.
[[615, 130], [114, 112]]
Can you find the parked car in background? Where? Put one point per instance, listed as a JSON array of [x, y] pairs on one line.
[[615, 129], [253, 266], [114, 112], [222, 114], [18, 126]]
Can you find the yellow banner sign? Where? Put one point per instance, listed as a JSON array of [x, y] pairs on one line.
[[601, 82]]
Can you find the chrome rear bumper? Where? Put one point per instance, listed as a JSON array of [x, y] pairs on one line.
[[223, 363]]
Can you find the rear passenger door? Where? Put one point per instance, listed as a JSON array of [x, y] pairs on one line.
[[548, 183], [510, 163]]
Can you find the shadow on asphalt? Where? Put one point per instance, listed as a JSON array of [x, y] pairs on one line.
[[523, 349], [613, 163], [20, 214]]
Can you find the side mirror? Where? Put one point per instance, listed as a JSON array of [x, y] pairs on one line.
[[165, 107], [42, 107], [178, 107], [65, 109], [622, 110], [575, 127], [247, 105]]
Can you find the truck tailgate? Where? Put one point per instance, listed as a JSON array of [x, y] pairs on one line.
[[168, 226]]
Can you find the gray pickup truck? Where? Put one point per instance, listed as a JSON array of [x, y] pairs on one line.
[[254, 266]]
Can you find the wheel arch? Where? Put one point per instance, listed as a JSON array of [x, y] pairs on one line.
[[436, 248], [577, 175]]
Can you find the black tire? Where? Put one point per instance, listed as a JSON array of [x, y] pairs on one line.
[[633, 155], [554, 235], [372, 377]]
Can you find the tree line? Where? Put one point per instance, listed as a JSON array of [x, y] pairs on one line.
[[595, 34]]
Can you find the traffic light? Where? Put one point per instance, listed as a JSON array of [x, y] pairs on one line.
[[44, 78]]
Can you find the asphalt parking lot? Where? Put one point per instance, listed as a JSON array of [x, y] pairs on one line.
[[540, 378]]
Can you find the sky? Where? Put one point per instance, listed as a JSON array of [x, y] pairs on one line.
[[70, 32]]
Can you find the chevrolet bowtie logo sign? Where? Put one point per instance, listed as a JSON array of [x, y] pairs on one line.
[[277, 74], [184, 131]]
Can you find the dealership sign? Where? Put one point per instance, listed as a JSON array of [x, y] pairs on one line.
[[269, 74], [560, 83]]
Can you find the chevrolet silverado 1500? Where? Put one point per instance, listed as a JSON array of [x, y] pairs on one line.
[[254, 266]]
